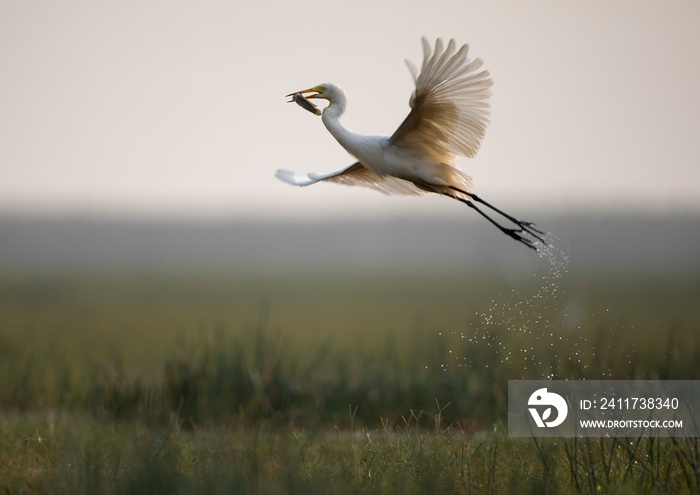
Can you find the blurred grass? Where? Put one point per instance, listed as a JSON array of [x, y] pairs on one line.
[[419, 338], [341, 383], [76, 453]]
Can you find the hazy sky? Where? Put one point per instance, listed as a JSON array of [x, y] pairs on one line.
[[177, 108]]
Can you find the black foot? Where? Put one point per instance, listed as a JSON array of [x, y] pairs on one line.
[[531, 228], [517, 235]]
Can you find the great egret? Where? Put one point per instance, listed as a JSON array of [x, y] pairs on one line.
[[449, 115]]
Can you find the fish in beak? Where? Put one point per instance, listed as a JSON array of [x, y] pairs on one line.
[[300, 99]]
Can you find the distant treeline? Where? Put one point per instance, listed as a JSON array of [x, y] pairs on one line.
[[658, 245]]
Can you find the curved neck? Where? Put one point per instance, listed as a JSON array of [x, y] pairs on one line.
[[331, 119]]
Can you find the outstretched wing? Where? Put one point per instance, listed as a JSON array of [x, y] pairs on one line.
[[449, 108], [354, 175]]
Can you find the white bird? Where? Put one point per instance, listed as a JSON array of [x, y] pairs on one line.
[[448, 117]]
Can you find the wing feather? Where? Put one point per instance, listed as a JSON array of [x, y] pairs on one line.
[[354, 175], [449, 107]]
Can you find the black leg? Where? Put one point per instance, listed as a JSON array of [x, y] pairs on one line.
[[524, 227], [514, 233], [528, 227]]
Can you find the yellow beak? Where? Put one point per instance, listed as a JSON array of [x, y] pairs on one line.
[[310, 90]]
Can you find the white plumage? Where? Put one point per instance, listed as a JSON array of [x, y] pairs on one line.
[[448, 117]]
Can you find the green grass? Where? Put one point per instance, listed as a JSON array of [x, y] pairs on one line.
[[344, 384], [73, 453]]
